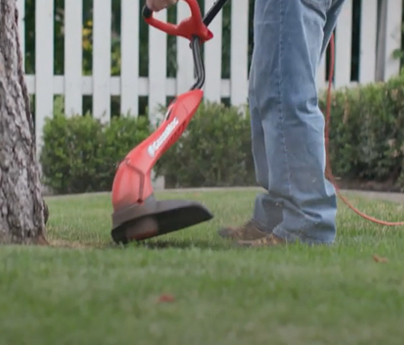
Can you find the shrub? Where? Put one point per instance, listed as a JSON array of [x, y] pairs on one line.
[[215, 150], [366, 133], [80, 154]]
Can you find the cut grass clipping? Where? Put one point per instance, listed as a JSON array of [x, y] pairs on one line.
[[192, 287]]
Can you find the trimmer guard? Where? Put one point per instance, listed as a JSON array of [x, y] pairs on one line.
[[155, 218]]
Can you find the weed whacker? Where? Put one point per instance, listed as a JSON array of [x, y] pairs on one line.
[[137, 214]]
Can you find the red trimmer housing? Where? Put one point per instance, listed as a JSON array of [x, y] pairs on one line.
[[137, 214]]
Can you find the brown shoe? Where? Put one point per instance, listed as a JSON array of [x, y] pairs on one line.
[[267, 241], [248, 232]]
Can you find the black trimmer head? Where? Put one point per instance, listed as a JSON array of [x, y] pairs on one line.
[[155, 218]]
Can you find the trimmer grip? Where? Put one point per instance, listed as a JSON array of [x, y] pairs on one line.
[[147, 12], [188, 28]]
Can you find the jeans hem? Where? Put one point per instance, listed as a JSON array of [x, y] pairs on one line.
[[300, 236]]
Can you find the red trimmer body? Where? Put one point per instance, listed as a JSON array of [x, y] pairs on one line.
[[137, 214], [132, 183]]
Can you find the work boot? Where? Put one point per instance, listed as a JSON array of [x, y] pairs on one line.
[[247, 232]]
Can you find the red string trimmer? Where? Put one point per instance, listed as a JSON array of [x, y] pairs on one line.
[[137, 214]]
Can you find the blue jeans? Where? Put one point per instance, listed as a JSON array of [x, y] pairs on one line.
[[290, 37]]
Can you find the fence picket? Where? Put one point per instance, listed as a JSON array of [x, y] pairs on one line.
[[185, 67], [343, 39], [43, 66], [130, 57], [102, 60], [157, 68], [213, 58], [392, 37], [368, 39], [73, 58], [239, 53]]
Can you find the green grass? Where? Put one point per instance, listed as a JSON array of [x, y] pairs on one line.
[[85, 290]]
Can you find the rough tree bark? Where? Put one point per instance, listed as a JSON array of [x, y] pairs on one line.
[[23, 212]]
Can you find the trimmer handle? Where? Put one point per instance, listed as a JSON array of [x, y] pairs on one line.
[[187, 28], [193, 28]]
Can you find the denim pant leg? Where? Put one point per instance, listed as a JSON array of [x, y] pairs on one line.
[[287, 121], [267, 212]]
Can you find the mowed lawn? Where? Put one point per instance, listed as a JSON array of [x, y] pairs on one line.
[[194, 288]]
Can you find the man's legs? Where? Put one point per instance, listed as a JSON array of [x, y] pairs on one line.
[[291, 35], [287, 125]]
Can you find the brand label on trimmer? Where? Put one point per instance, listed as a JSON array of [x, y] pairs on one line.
[[162, 138]]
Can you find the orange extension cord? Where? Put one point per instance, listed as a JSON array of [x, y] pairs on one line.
[[329, 175]]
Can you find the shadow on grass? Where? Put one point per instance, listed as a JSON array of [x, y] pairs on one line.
[[147, 244], [175, 244], [66, 244]]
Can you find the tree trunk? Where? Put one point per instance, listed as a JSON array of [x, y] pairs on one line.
[[23, 212]]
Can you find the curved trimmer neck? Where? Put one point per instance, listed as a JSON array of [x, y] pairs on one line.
[[198, 64], [195, 45]]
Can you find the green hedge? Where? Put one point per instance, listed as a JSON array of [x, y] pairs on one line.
[[367, 135], [80, 154], [214, 151], [366, 145]]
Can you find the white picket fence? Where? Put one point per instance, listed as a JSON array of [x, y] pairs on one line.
[[376, 63]]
